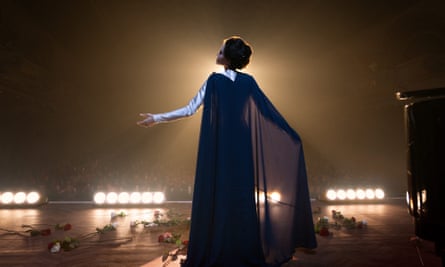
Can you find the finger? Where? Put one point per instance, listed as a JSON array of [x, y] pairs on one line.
[[142, 124]]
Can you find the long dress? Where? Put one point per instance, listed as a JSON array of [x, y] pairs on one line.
[[251, 204]]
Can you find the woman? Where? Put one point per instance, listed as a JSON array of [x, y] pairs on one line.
[[251, 203]]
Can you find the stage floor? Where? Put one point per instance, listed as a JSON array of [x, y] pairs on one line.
[[387, 240]]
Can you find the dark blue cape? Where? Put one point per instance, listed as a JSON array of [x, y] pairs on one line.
[[247, 151]]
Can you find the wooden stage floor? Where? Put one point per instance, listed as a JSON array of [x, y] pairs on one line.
[[387, 240]]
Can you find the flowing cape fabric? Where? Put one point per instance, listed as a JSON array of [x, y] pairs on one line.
[[251, 204]]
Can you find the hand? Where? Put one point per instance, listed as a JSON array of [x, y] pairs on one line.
[[148, 120]]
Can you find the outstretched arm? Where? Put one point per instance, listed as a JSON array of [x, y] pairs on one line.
[[190, 109]]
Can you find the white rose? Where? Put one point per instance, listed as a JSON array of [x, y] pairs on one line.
[[55, 248]]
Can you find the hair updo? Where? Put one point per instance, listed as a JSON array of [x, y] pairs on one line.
[[237, 52]]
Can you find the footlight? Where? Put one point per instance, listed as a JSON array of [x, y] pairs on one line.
[[273, 197], [158, 197], [126, 198], [358, 194], [20, 199]]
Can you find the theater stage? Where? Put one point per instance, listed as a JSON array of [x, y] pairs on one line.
[[386, 240]]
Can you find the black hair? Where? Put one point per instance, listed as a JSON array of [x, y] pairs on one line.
[[237, 52]]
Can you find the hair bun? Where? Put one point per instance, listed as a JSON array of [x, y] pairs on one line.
[[238, 52]]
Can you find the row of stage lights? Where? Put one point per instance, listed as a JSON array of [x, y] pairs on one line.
[[19, 198], [116, 198], [111, 198], [129, 198], [355, 194]]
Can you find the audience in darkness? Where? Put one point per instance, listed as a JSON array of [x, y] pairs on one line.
[[78, 182]]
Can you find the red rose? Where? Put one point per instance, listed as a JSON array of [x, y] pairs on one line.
[[185, 242], [324, 231], [45, 232], [50, 245], [161, 238], [67, 227]]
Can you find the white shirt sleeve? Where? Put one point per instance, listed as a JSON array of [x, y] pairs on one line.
[[185, 111]]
